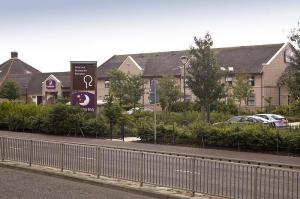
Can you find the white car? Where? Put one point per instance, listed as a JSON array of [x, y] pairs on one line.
[[278, 120], [257, 119], [138, 109], [251, 119]]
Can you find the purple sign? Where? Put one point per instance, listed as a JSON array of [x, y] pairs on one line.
[[50, 84], [86, 100]]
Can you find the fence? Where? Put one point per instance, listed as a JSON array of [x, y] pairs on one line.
[[190, 173]]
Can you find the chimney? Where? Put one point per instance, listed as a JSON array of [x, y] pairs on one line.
[[14, 54]]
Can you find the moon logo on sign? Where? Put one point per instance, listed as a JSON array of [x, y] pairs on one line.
[[83, 101]]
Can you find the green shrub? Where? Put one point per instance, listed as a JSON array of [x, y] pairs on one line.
[[222, 107], [95, 127]]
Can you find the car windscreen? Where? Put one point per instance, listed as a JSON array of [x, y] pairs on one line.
[[276, 117], [235, 119]]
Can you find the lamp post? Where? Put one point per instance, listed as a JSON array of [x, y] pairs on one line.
[[184, 61], [153, 98]]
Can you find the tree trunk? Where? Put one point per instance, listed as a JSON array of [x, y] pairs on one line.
[[208, 113]]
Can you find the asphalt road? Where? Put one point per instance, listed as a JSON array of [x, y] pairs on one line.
[[16, 184], [250, 156]]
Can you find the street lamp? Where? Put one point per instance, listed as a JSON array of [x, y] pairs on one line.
[[184, 61]]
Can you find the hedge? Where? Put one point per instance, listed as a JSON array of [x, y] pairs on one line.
[[65, 120]]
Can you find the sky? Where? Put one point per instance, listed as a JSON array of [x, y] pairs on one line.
[[48, 34]]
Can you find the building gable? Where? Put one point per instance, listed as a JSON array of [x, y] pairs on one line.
[[130, 66]]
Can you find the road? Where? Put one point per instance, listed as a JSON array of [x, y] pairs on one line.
[[212, 177], [27, 185], [250, 156]]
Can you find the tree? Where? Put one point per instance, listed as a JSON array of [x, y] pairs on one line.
[[135, 89], [10, 91], [128, 89], [242, 89], [113, 113], [291, 77], [168, 91], [118, 85], [203, 75]]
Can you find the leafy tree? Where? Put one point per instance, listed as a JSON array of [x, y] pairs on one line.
[[168, 91], [242, 89], [204, 74], [291, 78], [10, 91], [113, 113], [118, 85], [127, 89], [135, 89]]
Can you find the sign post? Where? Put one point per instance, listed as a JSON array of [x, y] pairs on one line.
[[84, 85]]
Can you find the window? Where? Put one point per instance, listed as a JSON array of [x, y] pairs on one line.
[[106, 83], [252, 81], [151, 83], [288, 54], [188, 98], [229, 79], [251, 101], [185, 83]]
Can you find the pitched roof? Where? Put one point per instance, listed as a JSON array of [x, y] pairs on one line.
[[244, 59], [35, 84], [16, 70]]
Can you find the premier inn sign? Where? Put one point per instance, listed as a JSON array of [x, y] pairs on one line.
[[84, 84]]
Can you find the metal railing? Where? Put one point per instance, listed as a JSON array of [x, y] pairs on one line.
[[190, 173]]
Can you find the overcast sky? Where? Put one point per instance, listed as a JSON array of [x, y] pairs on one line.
[[48, 34]]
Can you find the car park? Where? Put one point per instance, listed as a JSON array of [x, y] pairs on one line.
[[278, 120]]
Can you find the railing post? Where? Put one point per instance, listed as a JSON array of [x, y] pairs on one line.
[[255, 196], [193, 176], [142, 168], [98, 158], [2, 148], [30, 152], [62, 152]]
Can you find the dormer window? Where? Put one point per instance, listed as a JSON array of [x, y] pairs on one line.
[[229, 79], [252, 81]]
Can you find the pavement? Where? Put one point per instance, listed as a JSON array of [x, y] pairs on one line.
[[28, 185], [18, 180], [216, 153]]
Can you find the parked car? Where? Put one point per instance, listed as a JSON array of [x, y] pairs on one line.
[[278, 120], [252, 119], [138, 109]]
